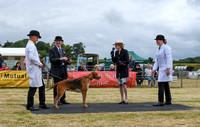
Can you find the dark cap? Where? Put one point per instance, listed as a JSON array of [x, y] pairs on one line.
[[160, 37], [34, 33], [58, 38]]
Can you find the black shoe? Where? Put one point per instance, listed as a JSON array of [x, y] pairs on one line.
[[122, 102], [64, 102], [125, 102], [32, 108], [159, 104], [44, 106], [168, 103]]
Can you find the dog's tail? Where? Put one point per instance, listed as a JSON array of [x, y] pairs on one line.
[[52, 87]]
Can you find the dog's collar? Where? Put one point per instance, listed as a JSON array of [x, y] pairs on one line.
[[88, 77]]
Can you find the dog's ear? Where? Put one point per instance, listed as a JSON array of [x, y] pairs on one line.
[[94, 74]]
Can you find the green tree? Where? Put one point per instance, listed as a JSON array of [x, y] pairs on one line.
[[8, 44], [150, 60], [77, 48], [68, 49], [43, 46], [21, 43]]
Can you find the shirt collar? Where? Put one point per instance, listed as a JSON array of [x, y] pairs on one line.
[[32, 42], [58, 48]]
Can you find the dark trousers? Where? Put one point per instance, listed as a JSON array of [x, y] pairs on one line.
[[139, 79], [31, 93], [62, 75], [164, 87]]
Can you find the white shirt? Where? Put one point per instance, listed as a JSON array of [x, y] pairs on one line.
[[148, 72], [163, 61]]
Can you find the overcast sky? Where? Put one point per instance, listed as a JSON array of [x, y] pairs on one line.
[[98, 23]]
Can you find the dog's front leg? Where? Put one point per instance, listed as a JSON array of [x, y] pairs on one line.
[[84, 99]]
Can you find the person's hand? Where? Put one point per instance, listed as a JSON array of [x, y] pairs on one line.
[[42, 66], [153, 72], [61, 58], [167, 72], [65, 58], [69, 61]]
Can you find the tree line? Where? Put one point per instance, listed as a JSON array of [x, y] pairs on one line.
[[43, 47]]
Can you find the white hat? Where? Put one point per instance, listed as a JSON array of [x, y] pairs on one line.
[[118, 42], [112, 65]]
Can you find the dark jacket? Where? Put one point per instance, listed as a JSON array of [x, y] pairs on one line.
[[1, 61], [132, 65], [122, 61], [15, 68], [139, 71], [56, 63]]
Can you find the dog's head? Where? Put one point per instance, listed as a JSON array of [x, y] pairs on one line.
[[94, 75]]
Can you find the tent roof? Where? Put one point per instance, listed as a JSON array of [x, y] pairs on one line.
[[12, 51], [137, 58]]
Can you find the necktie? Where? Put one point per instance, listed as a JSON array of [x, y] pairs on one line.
[[60, 51], [61, 55]]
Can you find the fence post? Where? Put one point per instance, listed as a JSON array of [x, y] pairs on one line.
[[181, 78], [47, 80]]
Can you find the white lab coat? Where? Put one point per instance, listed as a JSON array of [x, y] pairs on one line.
[[163, 61], [32, 65]]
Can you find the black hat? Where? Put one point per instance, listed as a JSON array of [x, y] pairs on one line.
[[160, 37], [58, 38], [34, 33]]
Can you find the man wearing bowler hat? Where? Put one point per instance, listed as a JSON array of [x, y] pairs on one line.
[[34, 70], [59, 62]]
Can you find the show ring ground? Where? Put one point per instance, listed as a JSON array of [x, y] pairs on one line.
[[111, 107]]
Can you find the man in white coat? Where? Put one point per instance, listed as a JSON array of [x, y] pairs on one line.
[[163, 62], [34, 70]]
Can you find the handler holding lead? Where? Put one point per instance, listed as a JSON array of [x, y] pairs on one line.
[[59, 62], [163, 61], [33, 66], [121, 59]]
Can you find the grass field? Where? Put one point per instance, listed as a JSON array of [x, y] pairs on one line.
[[12, 113]]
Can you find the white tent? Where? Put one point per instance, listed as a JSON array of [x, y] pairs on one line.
[[12, 51], [13, 55]]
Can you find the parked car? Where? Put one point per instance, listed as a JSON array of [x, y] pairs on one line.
[[71, 68], [198, 71]]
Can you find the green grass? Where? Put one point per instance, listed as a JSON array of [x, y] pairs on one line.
[[14, 114]]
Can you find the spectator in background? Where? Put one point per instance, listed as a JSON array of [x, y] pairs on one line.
[[82, 67], [17, 66], [112, 68], [4, 67], [149, 77], [96, 68], [1, 61], [25, 63], [131, 63], [139, 77]]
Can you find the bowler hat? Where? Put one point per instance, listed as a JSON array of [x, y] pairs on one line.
[[118, 42], [160, 37], [34, 33], [58, 38]]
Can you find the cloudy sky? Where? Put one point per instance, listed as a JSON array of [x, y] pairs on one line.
[[98, 23]]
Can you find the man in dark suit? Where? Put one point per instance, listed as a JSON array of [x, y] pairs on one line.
[[59, 62]]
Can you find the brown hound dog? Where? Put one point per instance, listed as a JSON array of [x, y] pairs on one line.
[[78, 85]]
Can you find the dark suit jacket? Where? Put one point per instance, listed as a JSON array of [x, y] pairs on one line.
[[56, 63], [123, 57], [15, 68]]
